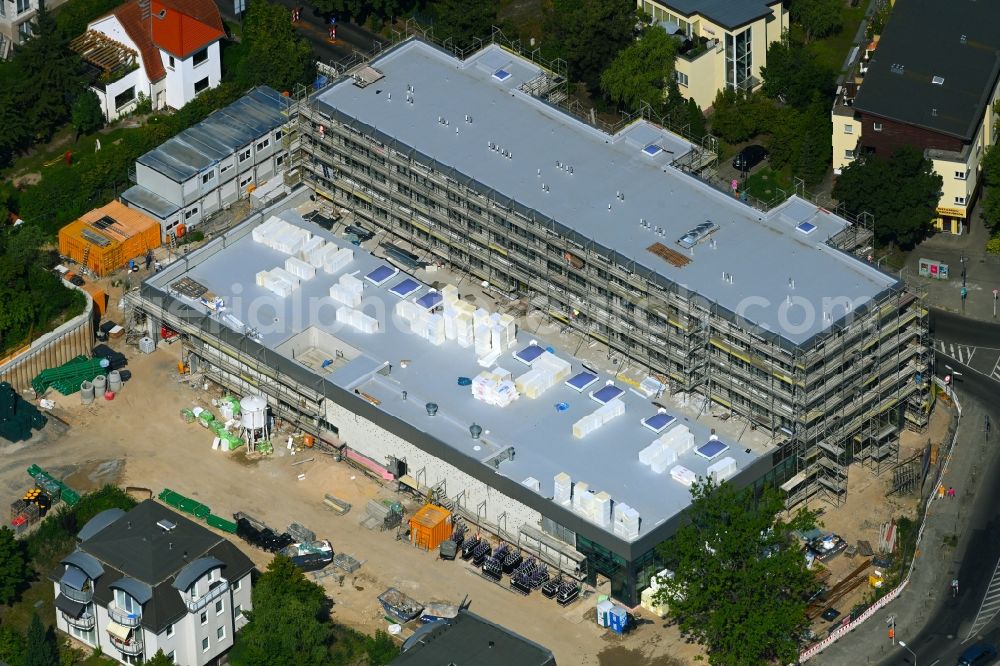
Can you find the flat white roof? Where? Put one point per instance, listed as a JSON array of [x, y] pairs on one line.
[[540, 430], [616, 190]]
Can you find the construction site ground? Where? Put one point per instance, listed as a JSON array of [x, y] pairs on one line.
[[139, 439], [868, 506]]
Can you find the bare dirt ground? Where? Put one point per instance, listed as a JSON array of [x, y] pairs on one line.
[[139, 439]]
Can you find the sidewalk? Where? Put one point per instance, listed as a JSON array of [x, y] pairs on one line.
[[982, 272], [935, 564]]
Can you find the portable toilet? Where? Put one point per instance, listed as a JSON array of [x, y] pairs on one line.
[[617, 619], [603, 611]]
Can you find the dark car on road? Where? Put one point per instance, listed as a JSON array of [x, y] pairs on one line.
[[749, 157], [978, 655]]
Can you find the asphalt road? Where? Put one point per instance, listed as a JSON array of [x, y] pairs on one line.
[[313, 27], [948, 631]]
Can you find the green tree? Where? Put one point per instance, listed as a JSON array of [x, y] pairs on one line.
[[740, 582], [738, 116], [11, 646], [695, 120], [14, 569], [40, 646], [160, 659], [588, 34], [816, 152], [54, 72], [381, 649], [463, 21], [641, 71], [288, 623], [87, 115], [818, 18], [276, 55], [17, 131], [794, 75], [991, 179], [900, 192]]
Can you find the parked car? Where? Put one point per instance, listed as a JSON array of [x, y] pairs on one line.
[[978, 654], [749, 157]]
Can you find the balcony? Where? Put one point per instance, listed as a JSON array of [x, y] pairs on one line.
[[85, 621], [195, 605], [123, 617], [81, 596], [131, 647]]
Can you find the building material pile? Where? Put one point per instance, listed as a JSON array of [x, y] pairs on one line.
[[348, 291], [17, 417], [281, 236], [357, 320], [67, 377], [603, 414], [494, 387], [546, 371], [596, 507], [648, 595], [665, 450]]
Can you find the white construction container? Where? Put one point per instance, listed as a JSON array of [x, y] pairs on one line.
[[562, 488], [723, 469], [299, 268]]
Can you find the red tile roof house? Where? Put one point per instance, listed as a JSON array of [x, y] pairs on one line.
[[167, 50]]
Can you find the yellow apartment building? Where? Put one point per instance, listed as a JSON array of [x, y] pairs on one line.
[[725, 41], [932, 80]]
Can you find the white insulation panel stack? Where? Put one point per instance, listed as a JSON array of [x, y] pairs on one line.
[[546, 371], [357, 319], [348, 291], [562, 489], [494, 387], [626, 521], [336, 261], [683, 475], [312, 245], [723, 469], [600, 416], [300, 269]]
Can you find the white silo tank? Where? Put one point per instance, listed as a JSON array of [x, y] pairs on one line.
[[253, 410]]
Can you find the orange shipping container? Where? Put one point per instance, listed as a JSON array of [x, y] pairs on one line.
[[430, 526], [106, 238]]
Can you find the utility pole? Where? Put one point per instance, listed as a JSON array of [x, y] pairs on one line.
[[996, 292]]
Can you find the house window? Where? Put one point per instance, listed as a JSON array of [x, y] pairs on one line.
[[848, 129], [219, 606], [207, 177], [237, 585], [238, 611], [170, 62], [201, 86], [3, 7], [245, 155], [170, 630], [961, 175], [246, 181], [191, 213], [849, 154], [204, 617], [877, 127], [682, 79], [263, 144], [226, 168], [24, 30], [124, 97], [204, 645], [200, 57], [278, 134], [279, 160], [959, 201], [220, 633], [172, 657], [23, 6], [127, 602]]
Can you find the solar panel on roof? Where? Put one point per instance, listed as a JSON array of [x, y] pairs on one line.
[[381, 275], [806, 227], [607, 394], [658, 422], [501, 75], [529, 354], [405, 287], [430, 299], [712, 449], [581, 381]]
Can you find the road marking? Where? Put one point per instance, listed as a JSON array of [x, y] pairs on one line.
[[996, 370], [990, 606]]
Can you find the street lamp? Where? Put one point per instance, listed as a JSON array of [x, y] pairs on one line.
[[903, 645]]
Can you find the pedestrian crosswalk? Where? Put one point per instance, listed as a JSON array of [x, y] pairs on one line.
[[962, 353], [990, 606]]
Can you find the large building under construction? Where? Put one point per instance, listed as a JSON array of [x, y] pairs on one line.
[[814, 359], [768, 314]]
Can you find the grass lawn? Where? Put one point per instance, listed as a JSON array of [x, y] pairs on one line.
[[768, 185], [524, 17], [19, 614], [53, 151], [831, 51]]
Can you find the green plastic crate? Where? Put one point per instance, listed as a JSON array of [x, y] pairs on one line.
[[70, 496], [221, 523], [34, 470]]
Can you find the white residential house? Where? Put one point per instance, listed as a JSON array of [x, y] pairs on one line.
[[151, 579], [208, 166], [165, 50]]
